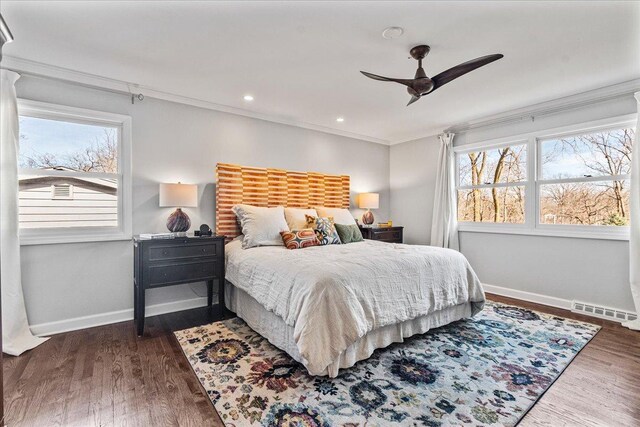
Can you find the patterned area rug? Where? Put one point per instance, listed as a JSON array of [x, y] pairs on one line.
[[488, 370]]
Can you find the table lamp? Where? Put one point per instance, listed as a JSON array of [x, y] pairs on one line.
[[178, 196], [368, 201]]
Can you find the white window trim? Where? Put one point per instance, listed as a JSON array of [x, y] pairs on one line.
[[87, 234], [532, 225]]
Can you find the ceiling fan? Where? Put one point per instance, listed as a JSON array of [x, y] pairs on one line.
[[422, 85]]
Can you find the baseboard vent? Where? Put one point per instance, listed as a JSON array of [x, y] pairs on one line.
[[602, 312]]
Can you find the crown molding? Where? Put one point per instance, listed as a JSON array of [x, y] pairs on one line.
[[93, 81], [567, 103]]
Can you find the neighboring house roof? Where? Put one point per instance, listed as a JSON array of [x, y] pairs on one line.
[[102, 185]]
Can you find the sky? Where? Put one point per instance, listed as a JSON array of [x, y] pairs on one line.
[[566, 163], [39, 136]]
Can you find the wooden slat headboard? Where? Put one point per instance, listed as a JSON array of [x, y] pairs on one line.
[[273, 187]]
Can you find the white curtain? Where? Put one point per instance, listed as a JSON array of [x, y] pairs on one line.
[[16, 336], [444, 225], [634, 238]]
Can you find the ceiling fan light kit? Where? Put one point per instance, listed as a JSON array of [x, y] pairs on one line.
[[422, 85]]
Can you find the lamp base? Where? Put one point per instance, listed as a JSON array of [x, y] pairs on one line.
[[367, 218], [178, 221]]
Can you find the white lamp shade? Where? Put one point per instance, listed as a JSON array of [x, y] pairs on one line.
[[178, 195], [369, 200]]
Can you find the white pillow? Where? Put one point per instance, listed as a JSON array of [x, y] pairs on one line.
[[261, 226], [296, 217], [340, 215]]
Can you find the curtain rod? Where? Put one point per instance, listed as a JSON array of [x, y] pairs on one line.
[[129, 93]]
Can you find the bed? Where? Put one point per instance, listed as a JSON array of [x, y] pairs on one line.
[[330, 306]]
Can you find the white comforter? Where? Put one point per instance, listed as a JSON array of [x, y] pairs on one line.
[[333, 295]]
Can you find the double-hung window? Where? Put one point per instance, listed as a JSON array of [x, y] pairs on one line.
[[74, 174], [492, 184], [572, 181]]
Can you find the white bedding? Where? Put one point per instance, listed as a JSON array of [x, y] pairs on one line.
[[333, 295]]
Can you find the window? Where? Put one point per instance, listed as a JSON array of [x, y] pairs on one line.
[[585, 178], [570, 182], [74, 174], [491, 185]]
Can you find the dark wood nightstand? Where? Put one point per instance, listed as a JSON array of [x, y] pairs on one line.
[[385, 234], [168, 262]]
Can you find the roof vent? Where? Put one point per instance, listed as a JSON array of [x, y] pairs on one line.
[[61, 191]]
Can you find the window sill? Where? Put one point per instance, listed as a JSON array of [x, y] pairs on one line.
[[44, 239], [622, 235]]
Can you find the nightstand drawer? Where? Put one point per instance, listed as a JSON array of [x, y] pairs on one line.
[[160, 253], [183, 272], [387, 236], [383, 234]]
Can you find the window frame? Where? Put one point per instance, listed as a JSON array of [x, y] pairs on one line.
[[39, 236], [533, 140]]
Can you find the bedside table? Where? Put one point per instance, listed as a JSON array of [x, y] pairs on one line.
[[168, 262], [384, 234]]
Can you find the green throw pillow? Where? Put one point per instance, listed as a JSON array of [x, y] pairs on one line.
[[349, 233]]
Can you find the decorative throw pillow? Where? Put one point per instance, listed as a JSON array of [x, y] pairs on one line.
[[298, 239], [296, 217], [261, 226], [325, 230], [349, 233], [340, 215]]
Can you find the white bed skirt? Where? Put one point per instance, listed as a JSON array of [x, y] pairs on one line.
[[273, 328]]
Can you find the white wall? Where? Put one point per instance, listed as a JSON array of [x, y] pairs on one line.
[[174, 142], [413, 179], [588, 270]]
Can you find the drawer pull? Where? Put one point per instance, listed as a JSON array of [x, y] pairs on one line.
[[164, 252]]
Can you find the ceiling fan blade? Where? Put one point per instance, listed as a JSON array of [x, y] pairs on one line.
[[462, 69], [413, 99], [406, 82], [414, 95]]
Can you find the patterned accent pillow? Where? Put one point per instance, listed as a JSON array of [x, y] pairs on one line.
[[349, 233], [325, 230], [298, 239]]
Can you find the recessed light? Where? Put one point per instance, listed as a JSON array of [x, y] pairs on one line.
[[340, 119], [392, 32], [248, 98]]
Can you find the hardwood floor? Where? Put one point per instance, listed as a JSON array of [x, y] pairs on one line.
[[107, 376], [601, 387]]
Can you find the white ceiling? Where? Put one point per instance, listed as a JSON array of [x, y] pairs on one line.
[[301, 60]]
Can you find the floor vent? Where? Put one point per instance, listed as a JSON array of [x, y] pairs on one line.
[[602, 312]]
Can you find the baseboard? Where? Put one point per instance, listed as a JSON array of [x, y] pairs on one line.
[[528, 296], [67, 325], [542, 299]]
